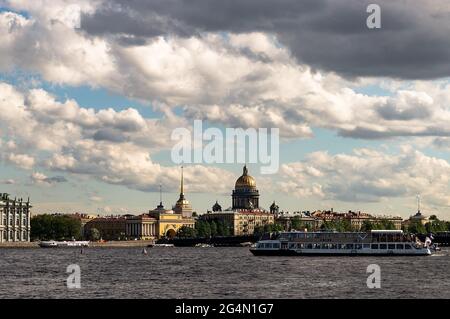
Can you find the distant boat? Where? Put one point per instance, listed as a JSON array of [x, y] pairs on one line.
[[63, 244], [246, 244], [160, 245], [204, 245]]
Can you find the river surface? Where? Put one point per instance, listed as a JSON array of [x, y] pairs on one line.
[[215, 273]]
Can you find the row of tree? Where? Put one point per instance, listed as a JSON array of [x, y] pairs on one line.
[[206, 229], [434, 225], [268, 228], [55, 227]]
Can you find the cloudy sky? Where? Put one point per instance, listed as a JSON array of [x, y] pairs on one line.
[[90, 92]]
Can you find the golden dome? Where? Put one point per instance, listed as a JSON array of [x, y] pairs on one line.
[[245, 181]]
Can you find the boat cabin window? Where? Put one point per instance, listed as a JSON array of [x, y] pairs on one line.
[[408, 246], [400, 246], [374, 246], [291, 245], [358, 246], [276, 245], [309, 246], [366, 245], [391, 246], [349, 246], [383, 246]]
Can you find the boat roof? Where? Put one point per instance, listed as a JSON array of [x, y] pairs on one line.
[[386, 231]]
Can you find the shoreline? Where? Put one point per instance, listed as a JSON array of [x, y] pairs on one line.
[[109, 244]]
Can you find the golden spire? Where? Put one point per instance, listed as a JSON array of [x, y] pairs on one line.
[[181, 187]]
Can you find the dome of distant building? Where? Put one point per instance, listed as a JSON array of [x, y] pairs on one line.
[[274, 208], [245, 181], [216, 207], [245, 195]]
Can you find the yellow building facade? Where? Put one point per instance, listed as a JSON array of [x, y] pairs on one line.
[[168, 224]]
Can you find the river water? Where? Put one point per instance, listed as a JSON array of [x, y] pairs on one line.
[[215, 273]]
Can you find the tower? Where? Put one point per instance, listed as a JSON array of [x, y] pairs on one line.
[[245, 194], [182, 205]]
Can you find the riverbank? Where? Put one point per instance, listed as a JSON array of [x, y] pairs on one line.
[[108, 244]]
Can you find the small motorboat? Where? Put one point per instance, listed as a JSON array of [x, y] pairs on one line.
[[63, 244]]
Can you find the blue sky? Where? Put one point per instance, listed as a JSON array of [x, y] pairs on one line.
[[354, 136]]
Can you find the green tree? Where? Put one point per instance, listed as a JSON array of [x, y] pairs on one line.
[[435, 226], [94, 234], [223, 228], [203, 229], [297, 224], [213, 227], [385, 224], [187, 232], [416, 227], [367, 226], [55, 227]]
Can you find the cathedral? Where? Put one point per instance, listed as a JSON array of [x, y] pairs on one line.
[[245, 195], [245, 214]]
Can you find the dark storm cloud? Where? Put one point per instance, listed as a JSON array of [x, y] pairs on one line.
[[390, 112], [326, 34], [55, 179], [109, 135]]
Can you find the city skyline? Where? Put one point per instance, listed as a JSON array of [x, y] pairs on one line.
[[88, 105]]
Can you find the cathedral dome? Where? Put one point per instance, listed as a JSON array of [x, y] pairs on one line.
[[245, 181], [217, 207]]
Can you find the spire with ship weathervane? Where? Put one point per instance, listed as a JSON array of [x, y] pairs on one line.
[[183, 206], [182, 184], [418, 203]]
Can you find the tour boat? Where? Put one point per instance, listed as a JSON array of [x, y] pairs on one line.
[[373, 243], [59, 244]]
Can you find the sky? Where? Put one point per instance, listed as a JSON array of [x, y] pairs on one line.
[[91, 92]]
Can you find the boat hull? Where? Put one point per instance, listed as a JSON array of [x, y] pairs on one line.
[[286, 252]]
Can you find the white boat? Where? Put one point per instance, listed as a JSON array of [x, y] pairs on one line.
[[59, 244], [161, 245], [246, 244], [203, 245], [374, 243]]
